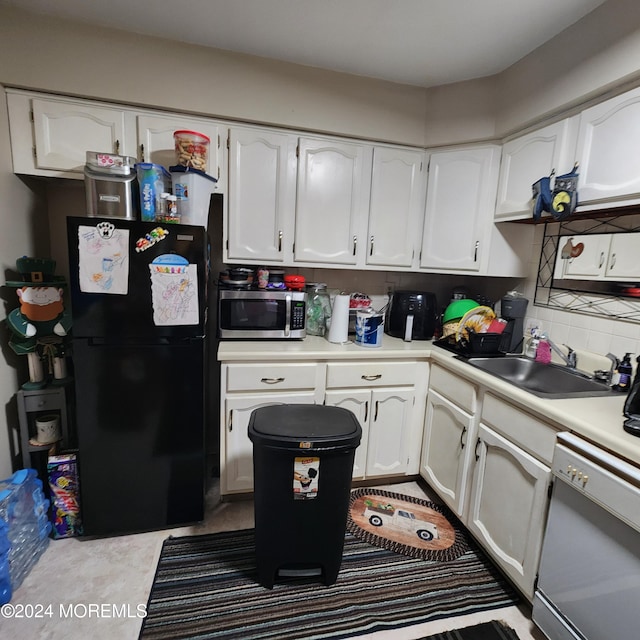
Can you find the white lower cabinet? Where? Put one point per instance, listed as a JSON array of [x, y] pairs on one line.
[[249, 386], [385, 418], [237, 472], [387, 398], [508, 505], [448, 432], [490, 464]]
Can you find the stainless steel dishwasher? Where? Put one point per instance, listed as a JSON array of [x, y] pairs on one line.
[[589, 578]]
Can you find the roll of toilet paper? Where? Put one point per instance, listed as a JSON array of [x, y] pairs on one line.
[[339, 329]]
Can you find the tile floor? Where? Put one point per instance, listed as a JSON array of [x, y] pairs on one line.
[[115, 576]]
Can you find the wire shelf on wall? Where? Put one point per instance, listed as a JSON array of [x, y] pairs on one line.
[[575, 296]]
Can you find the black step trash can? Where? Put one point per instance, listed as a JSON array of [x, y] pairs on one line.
[[302, 463]]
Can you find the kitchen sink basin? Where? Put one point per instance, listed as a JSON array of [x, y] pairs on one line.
[[543, 380]]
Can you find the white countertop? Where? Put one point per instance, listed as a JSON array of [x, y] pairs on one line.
[[597, 419]]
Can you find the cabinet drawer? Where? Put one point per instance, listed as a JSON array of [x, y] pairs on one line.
[[44, 402], [370, 374], [462, 392], [533, 435], [270, 377]]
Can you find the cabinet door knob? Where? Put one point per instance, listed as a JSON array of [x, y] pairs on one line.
[[377, 376], [272, 380]]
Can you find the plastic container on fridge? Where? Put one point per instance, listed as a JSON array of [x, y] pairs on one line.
[[192, 149], [153, 181], [193, 189]]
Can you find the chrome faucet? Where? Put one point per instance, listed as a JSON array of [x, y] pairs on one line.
[[607, 376], [570, 359]]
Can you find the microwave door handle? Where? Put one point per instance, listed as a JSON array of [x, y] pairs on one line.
[[287, 312]]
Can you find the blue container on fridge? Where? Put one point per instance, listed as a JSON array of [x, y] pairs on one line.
[[153, 181]]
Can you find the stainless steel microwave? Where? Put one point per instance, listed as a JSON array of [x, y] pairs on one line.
[[251, 314]]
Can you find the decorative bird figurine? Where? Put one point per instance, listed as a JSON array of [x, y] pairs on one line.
[[565, 254], [570, 250]]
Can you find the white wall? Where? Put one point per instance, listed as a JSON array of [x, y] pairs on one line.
[[74, 59], [597, 53]]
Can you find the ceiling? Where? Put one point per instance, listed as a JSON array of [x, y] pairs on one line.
[[416, 42]]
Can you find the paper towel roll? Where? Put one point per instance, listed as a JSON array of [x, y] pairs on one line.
[[339, 329]]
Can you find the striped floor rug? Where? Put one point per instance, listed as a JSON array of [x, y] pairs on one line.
[[206, 587], [494, 630]]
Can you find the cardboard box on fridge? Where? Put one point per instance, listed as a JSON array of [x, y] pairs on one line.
[[66, 517]]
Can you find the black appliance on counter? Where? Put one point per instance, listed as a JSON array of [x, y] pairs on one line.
[[139, 308], [513, 308], [411, 315]]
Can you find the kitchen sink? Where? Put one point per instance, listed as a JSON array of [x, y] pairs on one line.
[[543, 380]]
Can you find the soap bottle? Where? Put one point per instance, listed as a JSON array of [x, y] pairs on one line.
[[532, 346], [625, 370], [543, 352]]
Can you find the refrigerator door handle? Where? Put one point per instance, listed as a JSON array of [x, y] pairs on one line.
[[287, 311]]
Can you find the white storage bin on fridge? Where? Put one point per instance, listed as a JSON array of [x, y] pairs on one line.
[[193, 188]]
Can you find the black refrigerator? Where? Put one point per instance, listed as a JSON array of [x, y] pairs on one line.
[[139, 305]]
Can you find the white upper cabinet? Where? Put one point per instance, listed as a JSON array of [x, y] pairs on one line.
[[624, 257], [262, 193], [332, 202], [50, 136], [603, 140], [528, 158], [607, 153], [156, 144], [396, 209], [461, 191], [602, 256]]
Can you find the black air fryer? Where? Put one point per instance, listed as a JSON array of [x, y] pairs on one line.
[[411, 315]]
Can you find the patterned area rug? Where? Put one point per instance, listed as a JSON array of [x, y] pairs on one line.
[[206, 587], [406, 525], [494, 630]]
